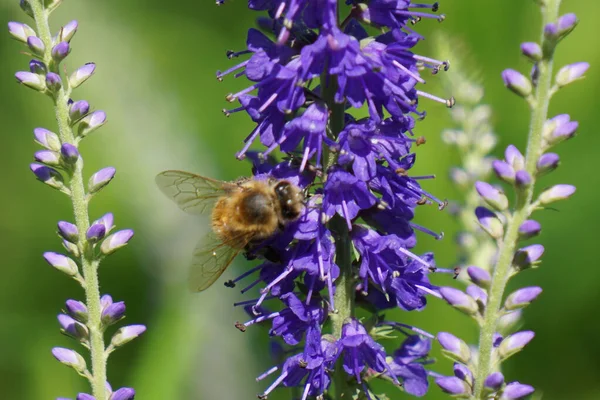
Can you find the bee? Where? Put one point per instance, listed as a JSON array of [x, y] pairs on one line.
[[244, 213]]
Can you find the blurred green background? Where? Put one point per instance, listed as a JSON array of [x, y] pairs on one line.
[[156, 81]]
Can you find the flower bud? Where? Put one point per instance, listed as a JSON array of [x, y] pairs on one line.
[[514, 343], [95, 233], [53, 82], [60, 51], [31, 80], [566, 23], [551, 31], [513, 156], [68, 231], [494, 381], [36, 45], [463, 373], [47, 139], [453, 386], [547, 163], [522, 298], [556, 193], [517, 82], [49, 176], [492, 196], [77, 310], [69, 153], [529, 229], [67, 32], [528, 256], [61, 263], [570, 73], [508, 321], [532, 50], [72, 328], [81, 75], [70, 358], [454, 348], [489, 222], [504, 171], [20, 31], [105, 301], [107, 220], [123, 394], [522, 179], [479, 276], [113, 313], [516, 390], [37, 67], [477, 294], [78, 110], [459, 300], [91, 122], [127, 334], [101, 179], [47, 157], [116, 241]]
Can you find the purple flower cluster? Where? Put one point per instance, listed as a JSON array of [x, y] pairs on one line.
[[351, 246], [479, 375], [59, 165]]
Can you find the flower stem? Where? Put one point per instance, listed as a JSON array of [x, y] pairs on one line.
[[539, 114], [80, 211], [344, 288]]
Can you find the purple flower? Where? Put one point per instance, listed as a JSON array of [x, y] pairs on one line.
[[346, 195], [361, 351], [407, 365]]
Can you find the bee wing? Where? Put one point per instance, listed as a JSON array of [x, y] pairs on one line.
[[210, 260], [193, 193]]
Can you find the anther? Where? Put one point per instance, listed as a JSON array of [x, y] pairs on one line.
[[262, 396], [435, 6], [443, 205], [230, 98], [457, 271], [422, 201], [229, 284], [230, 54], [400, 171], [225, 112], [302, 364], [421, 140], [441, 18], [241, 327], [450, 102]]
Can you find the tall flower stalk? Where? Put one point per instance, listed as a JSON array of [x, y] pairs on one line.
[[60, 166], [348, 255], [479, 374]]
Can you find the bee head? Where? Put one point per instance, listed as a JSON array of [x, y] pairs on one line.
[[290, 199]]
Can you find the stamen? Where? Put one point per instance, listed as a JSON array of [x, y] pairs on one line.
[[275, 281], [248, 302], [234, 54], [416, 258], [448, 102], [400, 325], [274, 384], [429, 291], [437, 236], [280, 9], [256, 282], [227, 112], [266, 373], [422, 177], [345, 210], [408, 72], [260, 319], [220, 74], [306, 390]]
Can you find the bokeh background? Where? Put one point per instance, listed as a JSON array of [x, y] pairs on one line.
[[156, 81]]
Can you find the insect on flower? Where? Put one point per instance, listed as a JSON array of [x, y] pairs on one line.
[[244, 213]]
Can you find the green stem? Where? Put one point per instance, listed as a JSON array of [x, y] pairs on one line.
[[80, 211], [344, 288], [539, 114]]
